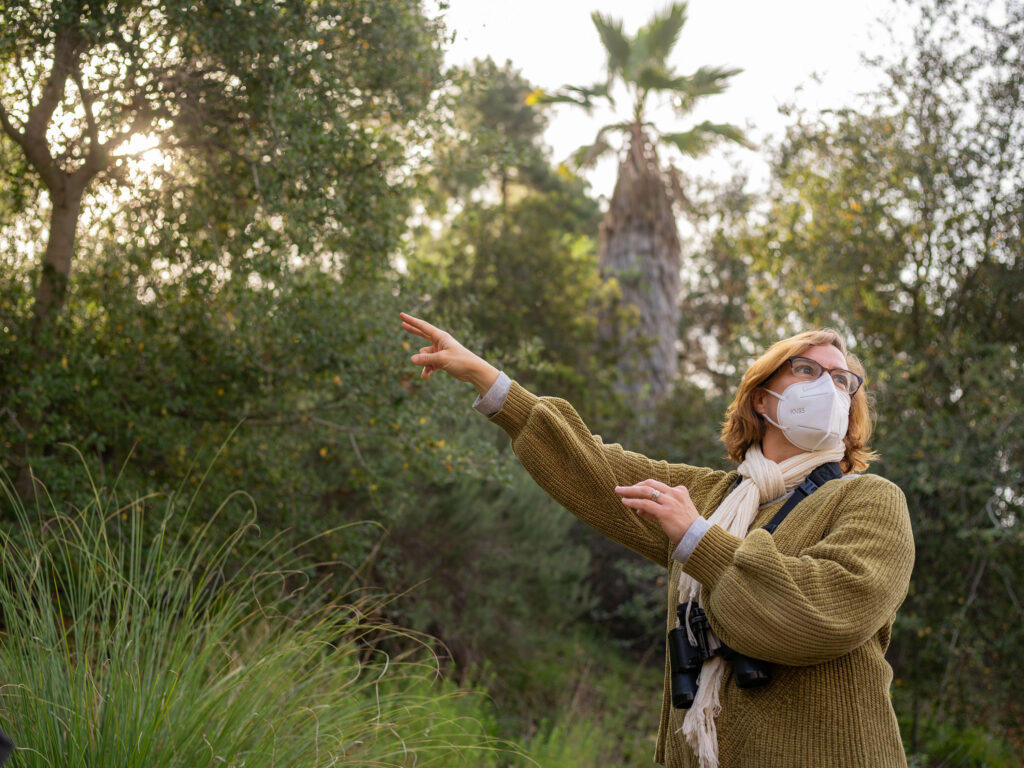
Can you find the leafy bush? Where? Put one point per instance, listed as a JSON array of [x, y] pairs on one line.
[[950, 746], [491, 566]]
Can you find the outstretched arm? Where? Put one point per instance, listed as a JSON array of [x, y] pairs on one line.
[[575, 467]]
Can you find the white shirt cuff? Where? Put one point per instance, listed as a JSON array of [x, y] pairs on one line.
[[491, 401], [691, 539]]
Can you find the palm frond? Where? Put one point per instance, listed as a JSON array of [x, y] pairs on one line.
[[692, 143], [699, 139], [706, 81], [571, 94], [615, 42], [598, 91], [655, 77], [588, 155], [656, 40], [726, 131]]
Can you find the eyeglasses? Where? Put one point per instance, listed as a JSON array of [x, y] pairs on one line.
[[806, 369]]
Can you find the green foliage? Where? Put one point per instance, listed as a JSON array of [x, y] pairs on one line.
[[219, 277], [493, 134], [721, 311], [598, 696], [214, 309], [262, 114], [947, 744], [490, 563], [309, 379], [130, 650]]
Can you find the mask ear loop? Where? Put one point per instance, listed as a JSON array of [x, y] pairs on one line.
[[765, 415]]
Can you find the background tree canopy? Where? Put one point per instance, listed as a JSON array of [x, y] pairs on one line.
[[211, 214]]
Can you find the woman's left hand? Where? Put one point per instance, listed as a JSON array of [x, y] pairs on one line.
[[671, 508]]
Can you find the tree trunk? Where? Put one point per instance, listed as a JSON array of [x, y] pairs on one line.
[[51, 293], [639, 246], [52, 288]]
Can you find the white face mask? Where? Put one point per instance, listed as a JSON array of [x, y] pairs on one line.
[[813, 415]]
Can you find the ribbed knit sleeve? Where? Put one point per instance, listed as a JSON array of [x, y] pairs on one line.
[[580, 471], [825, 601]]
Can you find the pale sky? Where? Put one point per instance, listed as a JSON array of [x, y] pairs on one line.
[[782, 46]]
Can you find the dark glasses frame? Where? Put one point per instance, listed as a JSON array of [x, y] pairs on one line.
[[830, 371]]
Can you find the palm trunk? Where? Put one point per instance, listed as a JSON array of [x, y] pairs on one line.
[[639, 246]]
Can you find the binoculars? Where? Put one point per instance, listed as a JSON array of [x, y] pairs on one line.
[[687, 658]]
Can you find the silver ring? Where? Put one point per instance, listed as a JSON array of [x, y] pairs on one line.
[[655, 495]]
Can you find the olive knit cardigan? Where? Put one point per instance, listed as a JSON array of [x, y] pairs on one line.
[[816, 599]]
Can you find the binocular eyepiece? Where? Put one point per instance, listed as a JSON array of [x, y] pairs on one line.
[[686, 658]]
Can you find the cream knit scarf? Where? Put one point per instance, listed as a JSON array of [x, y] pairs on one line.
[[763, 480]]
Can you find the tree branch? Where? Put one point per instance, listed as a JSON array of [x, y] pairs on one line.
[[33, 140], [65, 59], [91, 129], [130, 155], [9, 129], [36, 152]]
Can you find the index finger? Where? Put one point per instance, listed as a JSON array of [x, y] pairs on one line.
[[656, 485], [419, 327], [641, 490]]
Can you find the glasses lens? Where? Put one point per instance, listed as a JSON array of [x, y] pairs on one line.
[[846, 381], [805, 368]]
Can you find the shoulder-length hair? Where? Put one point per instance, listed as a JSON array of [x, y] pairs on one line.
[[743, 426]]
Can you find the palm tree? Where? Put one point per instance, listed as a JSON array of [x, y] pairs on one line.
[[639, 243]]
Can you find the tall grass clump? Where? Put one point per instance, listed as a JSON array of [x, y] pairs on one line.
[[129, 640]]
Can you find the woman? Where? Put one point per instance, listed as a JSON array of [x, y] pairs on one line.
[[815, 600]]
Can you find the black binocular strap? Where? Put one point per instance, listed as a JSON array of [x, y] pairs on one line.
[[814, 481]]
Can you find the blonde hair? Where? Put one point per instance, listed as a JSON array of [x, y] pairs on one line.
[[743, 426]]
